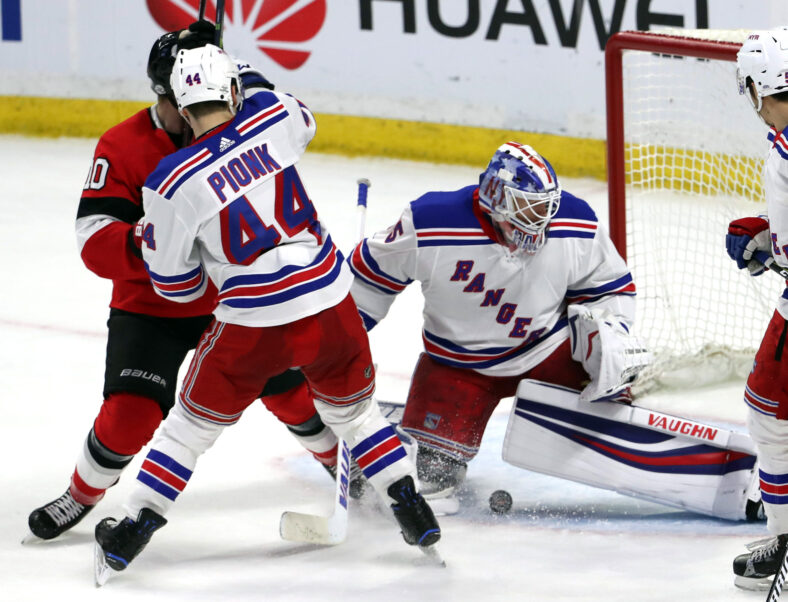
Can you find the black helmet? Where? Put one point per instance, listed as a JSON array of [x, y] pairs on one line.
[[160, 62], [162, 55]]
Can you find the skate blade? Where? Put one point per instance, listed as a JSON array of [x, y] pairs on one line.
[[102, 572], [753, 584], [433, 556], [31, 538]]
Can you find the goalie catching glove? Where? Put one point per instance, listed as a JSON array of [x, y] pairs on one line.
[[746, 236], [602, 344]]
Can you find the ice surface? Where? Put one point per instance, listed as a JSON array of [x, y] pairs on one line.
[[562, 541]]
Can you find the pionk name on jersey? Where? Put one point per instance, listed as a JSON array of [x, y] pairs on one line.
[[241, 170]]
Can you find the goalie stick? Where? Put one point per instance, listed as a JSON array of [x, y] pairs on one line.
[[329, 530]]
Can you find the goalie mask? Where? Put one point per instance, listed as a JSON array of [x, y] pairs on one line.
[[520, 191], [203, 75], [763, 59]]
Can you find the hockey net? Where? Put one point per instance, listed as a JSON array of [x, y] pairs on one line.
[[685, 156]]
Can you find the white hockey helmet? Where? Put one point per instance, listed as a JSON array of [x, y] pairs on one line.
[[520, 191], [205, 74], [763, 58]]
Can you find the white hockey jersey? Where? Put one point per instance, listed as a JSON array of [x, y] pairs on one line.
[[776, 191], [233, 205], [485, 309]]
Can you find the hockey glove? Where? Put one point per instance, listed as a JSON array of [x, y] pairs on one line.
[[197, 35], [602, 344], [251, 77], [746, 236]]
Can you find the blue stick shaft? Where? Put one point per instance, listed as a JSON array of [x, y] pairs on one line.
[[361, 206]]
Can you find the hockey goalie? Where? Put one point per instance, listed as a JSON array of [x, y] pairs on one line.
[[526, 296]]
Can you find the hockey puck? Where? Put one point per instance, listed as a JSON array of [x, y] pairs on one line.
[[500, 501]]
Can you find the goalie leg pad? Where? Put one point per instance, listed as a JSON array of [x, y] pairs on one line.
[[633, 451]]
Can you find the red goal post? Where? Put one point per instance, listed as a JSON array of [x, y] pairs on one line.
[[685, 155], [614, 84]]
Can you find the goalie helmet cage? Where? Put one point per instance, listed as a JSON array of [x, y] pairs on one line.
[[685, 156]]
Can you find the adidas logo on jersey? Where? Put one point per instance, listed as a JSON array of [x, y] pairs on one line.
[[225, 143]]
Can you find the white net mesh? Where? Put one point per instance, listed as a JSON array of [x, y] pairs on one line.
[[694, 153]]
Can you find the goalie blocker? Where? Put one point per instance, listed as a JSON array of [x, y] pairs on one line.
[[633, 451]]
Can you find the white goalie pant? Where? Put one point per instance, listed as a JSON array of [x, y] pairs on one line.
[[630, 450], [771, 437]]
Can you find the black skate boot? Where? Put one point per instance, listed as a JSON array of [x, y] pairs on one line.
[[754, 570], [56, 517], [122, 541], [440, 475], [416, 520]]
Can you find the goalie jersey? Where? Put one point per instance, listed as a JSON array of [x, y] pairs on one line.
[[486, 309], [232, 207]]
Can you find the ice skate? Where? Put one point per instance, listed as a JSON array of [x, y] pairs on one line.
[[118, 543], [754, 571], [415, 517], [440, 476], [55, 518]]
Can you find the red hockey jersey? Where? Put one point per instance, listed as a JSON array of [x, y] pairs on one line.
[[110, 206]]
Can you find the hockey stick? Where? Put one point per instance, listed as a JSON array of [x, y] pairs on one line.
[[768, 262], [327, 530], [219, 19], [779, 580], [361, 207], [219, 23]]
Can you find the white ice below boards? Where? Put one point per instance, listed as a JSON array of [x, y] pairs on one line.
[[560, 541]]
